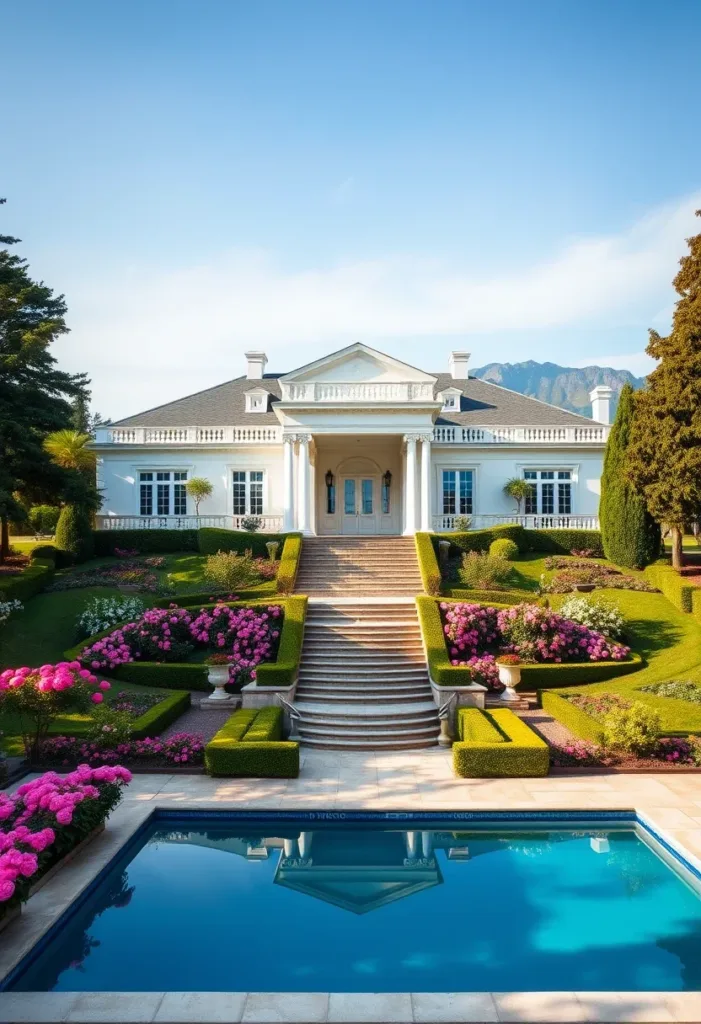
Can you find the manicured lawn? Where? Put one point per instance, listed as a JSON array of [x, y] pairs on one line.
[[26, 545], [40, 634], [669, 640]]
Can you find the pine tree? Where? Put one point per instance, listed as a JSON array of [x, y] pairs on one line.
[[34, 396], [630, 535], [664, 457]]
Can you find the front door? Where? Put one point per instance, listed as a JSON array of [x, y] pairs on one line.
[[359, 505]]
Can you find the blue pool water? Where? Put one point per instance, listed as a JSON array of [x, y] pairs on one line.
[[205, 904]]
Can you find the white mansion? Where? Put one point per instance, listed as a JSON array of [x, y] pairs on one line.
[[354, 443]]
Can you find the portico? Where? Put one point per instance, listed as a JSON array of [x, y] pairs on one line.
[[368, 485]]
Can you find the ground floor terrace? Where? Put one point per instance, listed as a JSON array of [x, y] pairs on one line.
[[333, 784], [331, 484]]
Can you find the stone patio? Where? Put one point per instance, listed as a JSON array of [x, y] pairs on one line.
[[330, 780]]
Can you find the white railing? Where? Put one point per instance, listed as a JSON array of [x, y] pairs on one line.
[[379, 391], [539, 522], [269, 524], [596, 434], [189, 435]]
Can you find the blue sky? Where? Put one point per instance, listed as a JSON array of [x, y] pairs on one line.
[[515, 178]]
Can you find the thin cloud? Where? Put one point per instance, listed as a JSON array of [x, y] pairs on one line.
[[152, 335]]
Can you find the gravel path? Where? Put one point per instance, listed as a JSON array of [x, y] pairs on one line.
[[203, 721], [546, 726]]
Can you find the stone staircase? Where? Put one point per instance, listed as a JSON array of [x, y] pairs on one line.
[[359, 566], [363, 682]]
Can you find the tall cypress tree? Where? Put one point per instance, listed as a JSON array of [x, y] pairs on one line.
[[630, 535], [664, 456]]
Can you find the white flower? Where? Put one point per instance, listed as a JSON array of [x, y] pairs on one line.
[[597, 615], [104, 612], [7, 608]]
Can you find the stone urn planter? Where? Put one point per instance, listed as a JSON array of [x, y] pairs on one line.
[[218, 677], [510, 676]]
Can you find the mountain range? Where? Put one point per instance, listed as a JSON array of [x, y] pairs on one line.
[[566, 386]]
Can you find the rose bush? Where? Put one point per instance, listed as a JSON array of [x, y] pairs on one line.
[[181, 748], [38, 695]]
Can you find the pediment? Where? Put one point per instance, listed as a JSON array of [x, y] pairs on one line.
[[358, 363]]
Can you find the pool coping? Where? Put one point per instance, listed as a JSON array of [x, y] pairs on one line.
[[82, 874]]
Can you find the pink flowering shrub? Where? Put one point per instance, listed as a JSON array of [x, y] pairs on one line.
[[47, 817], [475, 634], [38, 695], [248, 636], [182, 748], [540, 634]]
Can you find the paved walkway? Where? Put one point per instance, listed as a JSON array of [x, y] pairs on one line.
[[411, 781]]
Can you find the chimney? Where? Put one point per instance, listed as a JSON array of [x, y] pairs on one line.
[[600, 399], [256, 365], [458, 365]]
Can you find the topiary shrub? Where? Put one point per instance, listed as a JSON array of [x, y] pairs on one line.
[[504, 548], [74, 534], [630, 535]]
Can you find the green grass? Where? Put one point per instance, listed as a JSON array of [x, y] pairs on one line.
[[40, 634], [670, 642], [24, 546]]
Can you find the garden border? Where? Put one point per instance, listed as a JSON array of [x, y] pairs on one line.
[[192, 675], [541, 676], [29, 582], [250, 745]]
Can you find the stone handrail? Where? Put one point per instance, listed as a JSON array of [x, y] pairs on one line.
[[372, 391], [531, 522], [269, 524]]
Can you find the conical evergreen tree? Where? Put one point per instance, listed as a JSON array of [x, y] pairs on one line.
[[664, 457], [630, 535]]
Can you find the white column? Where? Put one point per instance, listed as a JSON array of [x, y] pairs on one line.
[[426, 523], [303, 483], [410, 486], [288, 511]]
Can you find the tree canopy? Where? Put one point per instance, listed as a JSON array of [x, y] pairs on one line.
[[35, 395], [664, 457]]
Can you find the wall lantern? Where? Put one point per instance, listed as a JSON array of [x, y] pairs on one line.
[[387, 479], [329, 478]]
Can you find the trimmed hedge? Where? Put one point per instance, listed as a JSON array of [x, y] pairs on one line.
[[563, 542], [552, 676], [503, 597], [160, 716], [573, 718], [674, 587], [266, 727], [289, 563], [544, 676], [147, 542], [428, 563], [480, 540], [265, 592], [522, 754], [283, 671], [478, 728], [247, 746], [29, 582], [210, 539]]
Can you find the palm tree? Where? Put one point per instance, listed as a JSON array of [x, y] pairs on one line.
[[68, 449], [518, 489]]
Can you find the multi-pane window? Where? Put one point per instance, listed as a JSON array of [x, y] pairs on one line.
[[366, 497], [163, 493], [550, 492], [247, 487], [457, 492], [386, 508]]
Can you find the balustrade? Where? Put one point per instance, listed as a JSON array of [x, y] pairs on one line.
[[596, 434], [269, 524], [442, 523]]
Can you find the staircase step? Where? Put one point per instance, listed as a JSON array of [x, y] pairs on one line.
[[371, 743]]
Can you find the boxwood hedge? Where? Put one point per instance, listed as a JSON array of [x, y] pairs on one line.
[[249, 746], [151, 542], [521, 754], [27, 583], [573, 718], [211, 539], [160, 716]]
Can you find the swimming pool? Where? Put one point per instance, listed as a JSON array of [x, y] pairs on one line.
[[358, 902]]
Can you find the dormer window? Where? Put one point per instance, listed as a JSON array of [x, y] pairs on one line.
[[451, 399], [257, 400]]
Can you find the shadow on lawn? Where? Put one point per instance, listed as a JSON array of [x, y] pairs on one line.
[[648, 636]]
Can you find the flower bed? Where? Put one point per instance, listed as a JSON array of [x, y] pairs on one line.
[[536, 634], [571, 573], [46, 819], [669, 751], [182, 749], [248, 635], [677, 689]]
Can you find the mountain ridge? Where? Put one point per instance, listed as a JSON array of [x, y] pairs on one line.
[[565, 386]]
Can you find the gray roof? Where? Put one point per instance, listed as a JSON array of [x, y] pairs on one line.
[[482, 404]]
